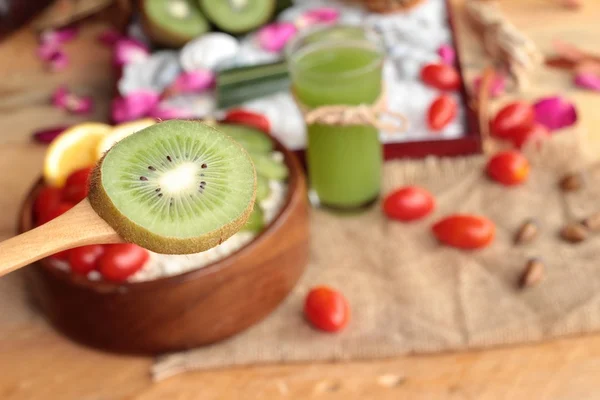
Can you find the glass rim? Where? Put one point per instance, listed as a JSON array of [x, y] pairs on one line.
[[292, 48]]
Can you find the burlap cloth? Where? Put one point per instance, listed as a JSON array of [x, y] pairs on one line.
[[411, 295]]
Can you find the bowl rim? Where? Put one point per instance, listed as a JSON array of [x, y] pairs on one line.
[[296, 182]]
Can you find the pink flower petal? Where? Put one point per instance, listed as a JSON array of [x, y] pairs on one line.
[[119, 111], [191, 82], [555, 112], [109, 37], [79, 105], [497, 87], [47, 135], [447, 54], [587, 81], [321, 15], [133, 106], [59, 97], [127, 51], [50, 51], [63, 98], [273, 37], [46, 51], [59, 36], [58, 61], [163, 113]]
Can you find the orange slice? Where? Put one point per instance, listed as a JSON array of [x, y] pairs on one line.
[[121, 131], [73, 149]]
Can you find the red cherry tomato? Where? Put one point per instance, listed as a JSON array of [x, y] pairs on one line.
[[84, 259], [508, 168], [440, 76], [62, 256], [245, 117], [441, 112], [52, 213], [48, 199], [408, 203], [77, 184], [535, 134], [327, 309], [120, 261], [513, 119], [465, 231]]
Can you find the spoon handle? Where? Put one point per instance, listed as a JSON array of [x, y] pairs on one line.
[[79, 226]]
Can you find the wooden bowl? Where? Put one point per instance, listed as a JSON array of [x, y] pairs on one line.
[[196, 308]]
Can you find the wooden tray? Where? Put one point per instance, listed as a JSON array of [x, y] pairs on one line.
[[470, 143]]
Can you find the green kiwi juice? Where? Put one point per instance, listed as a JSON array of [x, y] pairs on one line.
[[340, 66]]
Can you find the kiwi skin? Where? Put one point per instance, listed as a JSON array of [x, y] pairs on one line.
[[161, 36], [134, 233], [237, 32]]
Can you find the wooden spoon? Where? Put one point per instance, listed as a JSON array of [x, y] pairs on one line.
[[80, 226]]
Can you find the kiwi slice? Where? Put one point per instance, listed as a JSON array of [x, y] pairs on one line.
[[270, 168], [252, 139], [262, 188], [256, 222], [238, 16], [176, 187], [260, 148], [173, 23]]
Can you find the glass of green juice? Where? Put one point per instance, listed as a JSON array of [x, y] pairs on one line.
[[339, 65]]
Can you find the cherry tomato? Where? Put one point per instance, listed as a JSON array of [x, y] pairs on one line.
[[84, 259], [465, 231], [441, 112], [536, 134], [440, 76], [120, 261], [62, 256], [52, 213], [408, 203], [508, 168], [327, 309], [513, 119], [77, 184], [48, 199], [245, 117]]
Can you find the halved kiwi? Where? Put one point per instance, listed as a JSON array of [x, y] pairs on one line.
[[173, 23], [238, 16], [252, 139], [260, 147], [176, 187]]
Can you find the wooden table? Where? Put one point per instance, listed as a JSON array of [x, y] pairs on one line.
[[37, 363]]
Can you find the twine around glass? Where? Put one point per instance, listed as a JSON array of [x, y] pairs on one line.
[[362, 114]]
